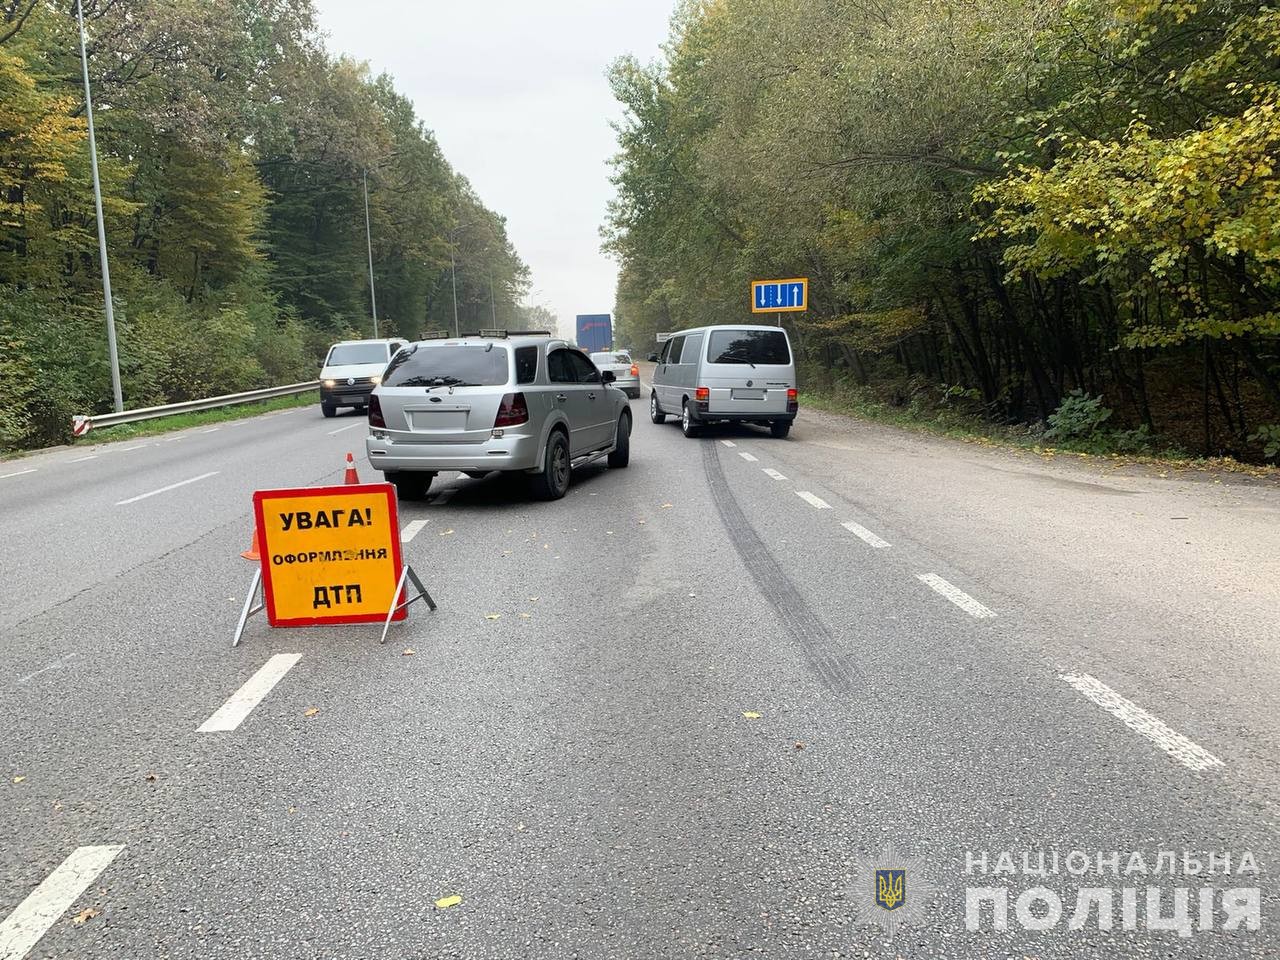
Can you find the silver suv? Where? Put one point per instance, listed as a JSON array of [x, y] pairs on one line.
[[494, 402]]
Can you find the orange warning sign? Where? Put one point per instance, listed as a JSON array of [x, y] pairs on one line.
[[329, 554]]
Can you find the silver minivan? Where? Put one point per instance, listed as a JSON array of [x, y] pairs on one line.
[[744, 374]]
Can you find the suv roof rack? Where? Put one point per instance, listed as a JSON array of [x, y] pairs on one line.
[[492, 333]]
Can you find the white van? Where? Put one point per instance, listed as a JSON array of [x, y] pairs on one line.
[[726, 373], [351, 370]]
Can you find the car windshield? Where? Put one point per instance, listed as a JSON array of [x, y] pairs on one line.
[[610, 358], [452, 365], [748, 346], [343, 354]]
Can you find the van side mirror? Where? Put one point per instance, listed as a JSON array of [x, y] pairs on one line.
[[653, 358]]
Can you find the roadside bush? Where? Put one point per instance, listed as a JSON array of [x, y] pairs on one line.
[[1078, 417], [1269, 437]]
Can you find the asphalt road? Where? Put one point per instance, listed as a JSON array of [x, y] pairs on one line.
[[676, 714]]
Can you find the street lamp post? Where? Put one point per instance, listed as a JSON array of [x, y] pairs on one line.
[[118, 394], [368, 242]]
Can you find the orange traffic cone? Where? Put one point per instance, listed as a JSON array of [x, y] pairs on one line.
[[351, 476], [252, 553]]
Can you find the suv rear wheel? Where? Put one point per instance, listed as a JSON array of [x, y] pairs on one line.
[[621, 454], [780, 428], [552, 482], [411, 484]]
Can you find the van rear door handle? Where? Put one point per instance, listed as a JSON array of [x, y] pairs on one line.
[[561, 398]]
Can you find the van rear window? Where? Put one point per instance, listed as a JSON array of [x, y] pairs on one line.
[[748, 346], [451, 365]]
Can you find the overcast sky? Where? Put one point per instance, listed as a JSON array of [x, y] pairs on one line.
[[515, 91]]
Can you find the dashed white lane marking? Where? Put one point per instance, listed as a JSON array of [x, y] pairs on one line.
[[172, 486], [1186, 752], [141, 446], [865, 535], [23, 928], [412, 530], [956, 596], [5, 476], [232, 713], [45, 669], [728, 443], [349, 426], [816, 502], [210, 430], [769, 471], [747, 457], [171, 439], [92, 456]]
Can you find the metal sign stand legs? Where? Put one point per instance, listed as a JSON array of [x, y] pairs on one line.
[[250, 608], [406, 574]]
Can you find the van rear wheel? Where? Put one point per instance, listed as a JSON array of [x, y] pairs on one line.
[[780, 428], [688, 426]]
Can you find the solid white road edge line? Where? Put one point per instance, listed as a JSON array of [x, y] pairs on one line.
[[92, 456], [172, 486], [862, 533], [412, 530], [5, 476], [769, 471], [232, 713], [956, 596], [816, 502], [32, 918], [210, 430], [747, 457], [1186, 752], [349, 426], [141, 446]]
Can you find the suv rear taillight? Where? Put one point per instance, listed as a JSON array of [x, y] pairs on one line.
[[702, 395], [793, 400], [512, 411], [375, 412], [635, 370]]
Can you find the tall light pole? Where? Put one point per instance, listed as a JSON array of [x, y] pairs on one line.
[[368, 242], [453, 272], [118, 394]]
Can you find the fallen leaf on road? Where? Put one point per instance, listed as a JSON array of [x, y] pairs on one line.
[[533, 599], [88, 913], [525, 616], [799, 745], [506, 553], [408, 652], [666, 506], [444, 903], [492, 616], [641, 522], [751, 715], [151, 778], [519, 826], [310, 711], [445, 533], [18, 779]]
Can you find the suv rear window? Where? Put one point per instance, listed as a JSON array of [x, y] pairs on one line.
[[748, 346], [451, 365], [351, 353]]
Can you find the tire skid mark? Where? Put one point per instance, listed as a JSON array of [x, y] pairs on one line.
[[822, 651]]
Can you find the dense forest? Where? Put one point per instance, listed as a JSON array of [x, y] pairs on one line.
[[234, 150], [1061, 213]]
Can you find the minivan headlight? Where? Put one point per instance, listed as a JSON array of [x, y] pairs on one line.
[[330, 383], [376, 379]]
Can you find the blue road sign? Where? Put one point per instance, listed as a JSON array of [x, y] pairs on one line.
[[779, 296]]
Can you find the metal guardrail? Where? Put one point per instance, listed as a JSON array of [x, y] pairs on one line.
[[80, 425]]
